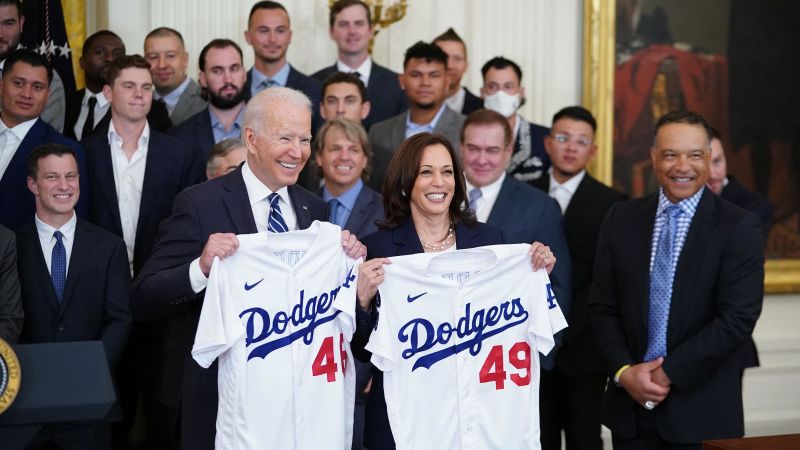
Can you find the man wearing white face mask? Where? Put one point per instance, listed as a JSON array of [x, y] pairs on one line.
[[502, 92]]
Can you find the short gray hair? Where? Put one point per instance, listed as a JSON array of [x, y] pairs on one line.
[[259, 106], [221, 150]]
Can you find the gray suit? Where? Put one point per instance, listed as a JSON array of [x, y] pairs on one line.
[[384, 137], [189, 103]]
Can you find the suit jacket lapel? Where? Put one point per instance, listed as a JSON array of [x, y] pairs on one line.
[[154, 173], [105, 176], [360, 208], [185, 100], [405, 239], [20, 158], [503, 205], [204, 131], [301, 207], [641, 240], [29, 238], [579, 200], [697, 238], [237, 203], [398, 131], [80, 254]]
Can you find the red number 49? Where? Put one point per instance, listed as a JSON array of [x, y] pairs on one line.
[[493, 370], [325, 362]]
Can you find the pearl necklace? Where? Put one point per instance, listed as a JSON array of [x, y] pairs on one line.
[[445, 243]]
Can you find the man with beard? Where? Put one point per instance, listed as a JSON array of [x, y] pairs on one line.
[[424, 80], [222, 76]]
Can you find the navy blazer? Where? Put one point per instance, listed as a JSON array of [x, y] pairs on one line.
[[301, 82], [163, 290], [197, 134], [367, 209], [96, 295], [585, 213], [735, 192], [383, 92], [471, 102], [170, 168], [717, 296], [17, 203], [525, 214], [403, 240]]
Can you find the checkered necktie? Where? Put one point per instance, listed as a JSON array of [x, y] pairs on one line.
[[58, 266], [661, 278]]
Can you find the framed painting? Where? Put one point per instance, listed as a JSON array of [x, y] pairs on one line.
[[730, 60]]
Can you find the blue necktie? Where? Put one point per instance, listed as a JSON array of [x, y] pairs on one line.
[[58, 266], [267, 84], [334, 205], [474, 195], [275, 222], [661, 278]]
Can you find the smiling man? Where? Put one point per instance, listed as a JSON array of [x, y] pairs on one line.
[[678, 287], [23, 88]]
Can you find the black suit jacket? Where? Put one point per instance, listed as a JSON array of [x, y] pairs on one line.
[[582, 219], [96, 295], [526, 215], [403, 240], [735, 192], [163, 289], [471, 102], [17, 204], [383, 92], [367, 209], [11, 314], [717, 295], [197, 134], [158, 115], [301, 82], [170, 168]]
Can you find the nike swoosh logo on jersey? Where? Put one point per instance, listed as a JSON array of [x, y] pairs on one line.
[[247, 287], [411, 299]]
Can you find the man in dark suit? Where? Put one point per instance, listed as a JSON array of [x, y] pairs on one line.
[[23, 89], [459, 98], [576, 385], [678, 287], [204, 224], [74, 277], [81, 120], [136, 172], [352, 29], [269, 32], [223, 77], [729, 188], [424, 81], [10, 304], [503, 92], [168, 58]]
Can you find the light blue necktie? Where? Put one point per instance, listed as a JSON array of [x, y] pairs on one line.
[[334, 216], [275, 222], [58, 266], [661, 278], [474, 195]]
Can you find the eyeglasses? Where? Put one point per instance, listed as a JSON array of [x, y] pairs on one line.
[[563, 138]]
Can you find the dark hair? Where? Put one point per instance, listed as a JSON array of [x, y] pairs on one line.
[[578, 113], [16, 3], [685, 117], [715, 134], [355, 132], [29, 57], [164, 32], [220, 44], [44, 151], [340, 6], [125, 62], [488, 117], [402, 175], [87, 44], [427, 52], [344, 77], [451, 36], [500, 63], [266, 4]]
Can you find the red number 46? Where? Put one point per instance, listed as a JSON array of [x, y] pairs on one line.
[[493, 369], [325, 362]]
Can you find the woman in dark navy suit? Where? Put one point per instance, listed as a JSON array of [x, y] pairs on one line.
[[426, 210]]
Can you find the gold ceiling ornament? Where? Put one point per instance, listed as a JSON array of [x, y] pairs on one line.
[[382, 16]]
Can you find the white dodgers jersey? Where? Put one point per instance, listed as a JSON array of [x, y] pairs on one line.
[[279, 315], [457, 339]]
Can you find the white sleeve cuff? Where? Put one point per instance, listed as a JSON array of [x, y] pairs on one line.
[[196, 277]]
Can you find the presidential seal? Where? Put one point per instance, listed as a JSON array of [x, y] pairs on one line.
[[9, 376]]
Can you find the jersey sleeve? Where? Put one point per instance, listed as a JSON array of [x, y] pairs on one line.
[[219, 326], [346, 298], [548, 319], [380, 341]]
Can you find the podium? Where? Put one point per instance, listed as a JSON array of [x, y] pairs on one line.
[[60, 382]]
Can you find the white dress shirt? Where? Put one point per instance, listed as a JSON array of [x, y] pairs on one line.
[[48, 241], [257, 194], [100, 110], [129, 181], [483, 206], [456, 101], [10, 138], [563, 192], [363, 70]]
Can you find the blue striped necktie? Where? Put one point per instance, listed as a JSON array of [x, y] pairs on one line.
[[275, 222], [58, 266]]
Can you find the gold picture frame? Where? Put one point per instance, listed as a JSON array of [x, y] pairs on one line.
[[599, 17]]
